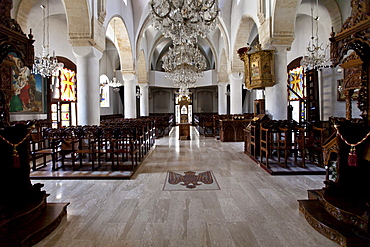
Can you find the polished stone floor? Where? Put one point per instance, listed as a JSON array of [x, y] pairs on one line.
[[252, 208]]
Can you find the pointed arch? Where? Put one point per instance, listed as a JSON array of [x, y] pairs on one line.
[[23, 12], [246, 25], [78, 19], [283, 16], [142, 71], [119, 36], [222, 73]]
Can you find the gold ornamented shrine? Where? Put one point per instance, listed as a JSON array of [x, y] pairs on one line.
[[258, 67]]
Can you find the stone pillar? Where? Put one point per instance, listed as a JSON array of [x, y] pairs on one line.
[[129, 81], [222, 98], [236, 82], [276, 97], [144, 99], [88, 93]]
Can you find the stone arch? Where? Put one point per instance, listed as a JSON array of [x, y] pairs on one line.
[[78, 19], [226, 39], [142, 71], [246, 25], [147, 22], [283, 16], [222, 73], [334, 12], [122, 42], [77, 12], [23, 12]]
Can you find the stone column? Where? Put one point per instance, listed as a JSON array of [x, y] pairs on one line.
[[88, 104], [144, 99], [222, 98], [276, 97], [129, 81], [236, 82]]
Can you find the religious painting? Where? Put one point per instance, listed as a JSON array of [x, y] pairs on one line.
[[296, 83], [340, 92], [255, 71], [28, 93]]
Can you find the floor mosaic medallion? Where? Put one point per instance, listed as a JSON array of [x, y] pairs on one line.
[[190, 180]]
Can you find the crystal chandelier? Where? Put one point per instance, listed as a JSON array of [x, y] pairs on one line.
[[184, 20], [184, 92], [184, 76], [45, 65], [184, 64], [316, 56], [115, 82]]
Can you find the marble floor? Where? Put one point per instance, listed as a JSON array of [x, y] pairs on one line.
[[252, 208]]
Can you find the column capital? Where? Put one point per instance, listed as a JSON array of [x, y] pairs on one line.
[[236, 75], [128, 76], [223, 83], [86, 51], [143, 84], [281, 48], [279, 43], [94, 36]]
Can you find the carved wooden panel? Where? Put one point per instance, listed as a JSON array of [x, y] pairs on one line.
[[259, 67], [355, 35]]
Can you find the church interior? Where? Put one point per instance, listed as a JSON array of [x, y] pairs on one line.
[[184, 123]]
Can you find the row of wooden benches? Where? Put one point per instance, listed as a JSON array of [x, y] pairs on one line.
[[285, 138], [116, 143]]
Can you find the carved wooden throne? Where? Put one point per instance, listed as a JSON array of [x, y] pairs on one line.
[[340, 211], [25, 216]]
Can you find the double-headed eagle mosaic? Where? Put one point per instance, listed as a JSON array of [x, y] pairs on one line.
[[190, 180]]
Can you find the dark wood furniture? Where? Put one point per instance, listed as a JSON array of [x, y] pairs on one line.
[[49, 145], [285, 144], [340, 211], [125, 148], [233, 130], [26, 217], [317, 145], [269, 142], [184, 131], [252, 136], [231, 127], [259, 107], [312, 99]]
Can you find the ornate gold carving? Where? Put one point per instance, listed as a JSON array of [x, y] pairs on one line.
[[358, 14], [323, 229], [258, 66], [328, 149], [344, 216], [355, 33]]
